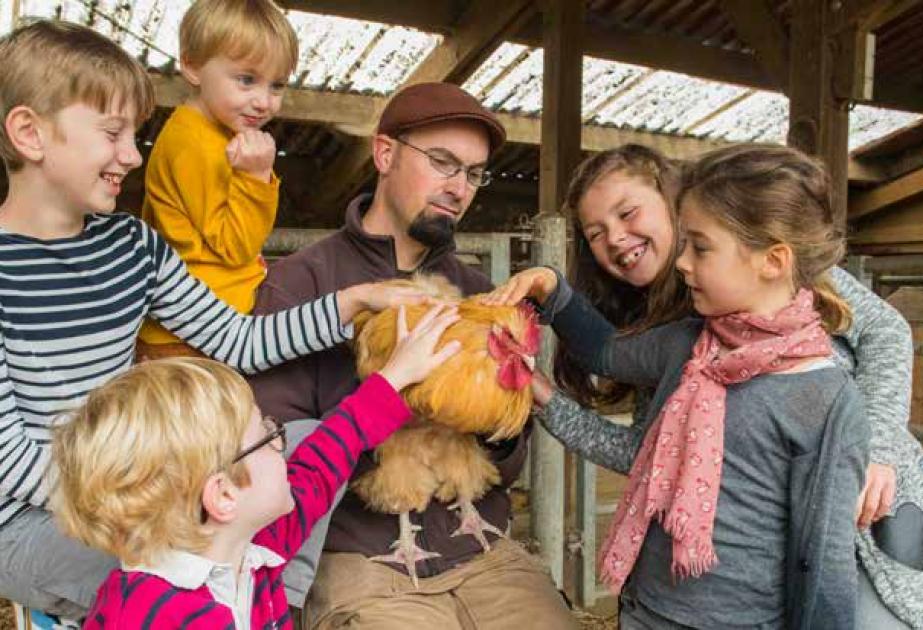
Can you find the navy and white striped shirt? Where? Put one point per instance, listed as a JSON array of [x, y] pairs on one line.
[[70, 310]]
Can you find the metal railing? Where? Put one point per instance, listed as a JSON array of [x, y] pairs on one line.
[[494, 245]]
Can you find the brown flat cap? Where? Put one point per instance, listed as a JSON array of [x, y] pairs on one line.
[[426, 103]]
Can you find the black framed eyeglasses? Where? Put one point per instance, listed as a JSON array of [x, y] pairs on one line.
[[275, 438], [448, 166]]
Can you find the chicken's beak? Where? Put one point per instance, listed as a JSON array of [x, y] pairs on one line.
[[529, 360]]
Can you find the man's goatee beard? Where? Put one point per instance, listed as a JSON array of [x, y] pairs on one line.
[[433, 230]]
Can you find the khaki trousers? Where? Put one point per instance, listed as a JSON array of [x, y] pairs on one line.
[[503, 589]]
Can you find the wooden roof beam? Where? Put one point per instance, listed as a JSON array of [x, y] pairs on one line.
[[755, 24], [617, 44], [347, 112], [479, 31], [433, 16], [869, 15], [875, 200], [356, 114], [686, 56], [664, 52], [594, 138], [897, 231]]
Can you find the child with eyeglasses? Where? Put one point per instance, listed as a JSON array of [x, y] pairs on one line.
[[172, 468]]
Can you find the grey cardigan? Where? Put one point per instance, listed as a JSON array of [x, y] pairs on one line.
[[880, 357], [820, 591]]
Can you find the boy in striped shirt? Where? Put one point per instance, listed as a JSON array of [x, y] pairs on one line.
[[77, 281], [172, 469]]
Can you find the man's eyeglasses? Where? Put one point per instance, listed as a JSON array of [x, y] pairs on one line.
[[449, 166], [275, 437]]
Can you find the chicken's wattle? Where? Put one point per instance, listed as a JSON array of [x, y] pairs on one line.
[[515, 366], [514, 374]]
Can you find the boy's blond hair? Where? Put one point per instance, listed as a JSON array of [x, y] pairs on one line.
[[132, 462], [238, 29], [50, 65]]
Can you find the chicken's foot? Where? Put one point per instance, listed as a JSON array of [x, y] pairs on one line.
[[405, 548], [472, 523]]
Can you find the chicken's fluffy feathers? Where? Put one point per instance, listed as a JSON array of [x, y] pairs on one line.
[[463, 393]]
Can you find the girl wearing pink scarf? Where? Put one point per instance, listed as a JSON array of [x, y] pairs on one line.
[[739, 507]]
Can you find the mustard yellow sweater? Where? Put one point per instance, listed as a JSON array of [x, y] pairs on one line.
[[216, 218]]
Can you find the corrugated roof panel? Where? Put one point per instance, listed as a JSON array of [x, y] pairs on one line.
[[392, 59], [341, 54], [666, 102], [520, 90], [492, 69], [329, 50], [867, 124], [602, 80], [762, 117], [6, 16], [151, 25], [336, 53]]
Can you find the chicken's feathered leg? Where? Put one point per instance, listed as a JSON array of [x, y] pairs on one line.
[[466, 473], [405, 548], [403, 482]]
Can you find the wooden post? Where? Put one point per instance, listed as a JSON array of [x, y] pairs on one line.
[[560, 152], [755, 23], [857, 265], [15, 9], [819, 91]]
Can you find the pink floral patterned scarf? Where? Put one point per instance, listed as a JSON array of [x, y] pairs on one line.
[[677, 473]]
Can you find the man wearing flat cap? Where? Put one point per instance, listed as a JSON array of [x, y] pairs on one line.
[[431, 150]]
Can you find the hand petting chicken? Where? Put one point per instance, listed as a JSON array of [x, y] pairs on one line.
[[483, 390]]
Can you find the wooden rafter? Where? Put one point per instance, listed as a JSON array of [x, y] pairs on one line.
[[434, 16], [478, 32], [610, 42], [873, 201], [347, 112], [615, 42], [667, 52], [678, 54], [356, 113], [897, 165], [869, 15], [897, 231], [664, 52], [755, 24]]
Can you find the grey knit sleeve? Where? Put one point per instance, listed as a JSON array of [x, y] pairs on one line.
[[596, 438], [558, 299], [881, 341]]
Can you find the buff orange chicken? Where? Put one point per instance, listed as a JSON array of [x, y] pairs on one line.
[[484, 390]]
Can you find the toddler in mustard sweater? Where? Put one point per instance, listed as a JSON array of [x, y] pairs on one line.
[[210, 188]]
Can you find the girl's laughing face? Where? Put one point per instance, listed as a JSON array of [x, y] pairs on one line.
[[626, 221]]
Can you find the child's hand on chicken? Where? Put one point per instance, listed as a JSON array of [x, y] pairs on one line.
[[374, 296], [542, 388], [537, 283], [415, 354]]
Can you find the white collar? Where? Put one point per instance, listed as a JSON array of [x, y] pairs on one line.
[[190, 571]]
